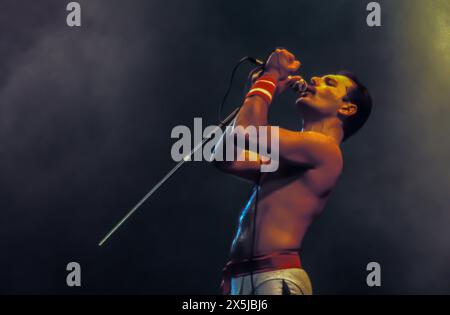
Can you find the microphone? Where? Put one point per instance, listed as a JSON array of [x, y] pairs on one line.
[[300, 86]]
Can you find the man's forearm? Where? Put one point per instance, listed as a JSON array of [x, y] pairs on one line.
[[254, 112], [252, 121]]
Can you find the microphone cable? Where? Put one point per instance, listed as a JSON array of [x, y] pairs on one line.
[[256, 72], [260, 65]]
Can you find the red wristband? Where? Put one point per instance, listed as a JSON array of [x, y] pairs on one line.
[[265, 87]]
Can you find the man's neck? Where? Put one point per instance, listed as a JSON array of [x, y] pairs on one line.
[[330, 126]]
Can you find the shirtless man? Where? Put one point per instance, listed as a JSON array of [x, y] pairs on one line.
[[265, 252]]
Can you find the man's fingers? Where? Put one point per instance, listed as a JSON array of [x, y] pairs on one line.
[[284, 61], [290, 57], [288, 61], [294, 65], [290, 80], [293, 79], [287, 83]]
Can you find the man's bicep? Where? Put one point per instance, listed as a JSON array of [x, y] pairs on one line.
[[246, 165], [306, 148]]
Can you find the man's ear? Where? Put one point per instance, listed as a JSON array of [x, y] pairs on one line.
[[348, 109]]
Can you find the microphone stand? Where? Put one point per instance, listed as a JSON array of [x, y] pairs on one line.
[[223, 123]]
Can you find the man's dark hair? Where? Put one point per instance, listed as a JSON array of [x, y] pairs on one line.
[[359, 96]]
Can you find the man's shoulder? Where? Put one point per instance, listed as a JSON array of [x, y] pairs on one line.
[[326, 172], [325, 146]]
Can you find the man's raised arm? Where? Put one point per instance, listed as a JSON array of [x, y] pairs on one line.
[[306, 148]]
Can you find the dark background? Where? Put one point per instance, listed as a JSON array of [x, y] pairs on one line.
[[85, 121]]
